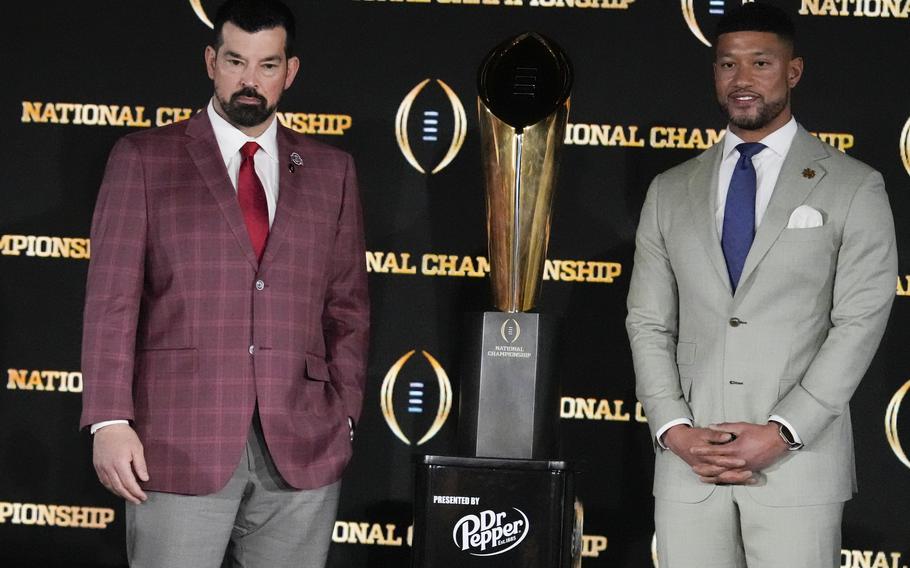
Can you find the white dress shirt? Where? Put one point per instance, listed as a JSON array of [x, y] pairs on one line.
[[767, 165], [230, 140]]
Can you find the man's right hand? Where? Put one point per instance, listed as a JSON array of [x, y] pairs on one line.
[[680, 439], [118, 459]]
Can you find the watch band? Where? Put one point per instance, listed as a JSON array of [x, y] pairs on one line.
[[787, 437]]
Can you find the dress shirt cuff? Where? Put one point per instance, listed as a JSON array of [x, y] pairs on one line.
[[99, 425], [667, 426], [787, 425]]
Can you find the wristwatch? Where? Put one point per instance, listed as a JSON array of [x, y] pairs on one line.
[[787, 437]]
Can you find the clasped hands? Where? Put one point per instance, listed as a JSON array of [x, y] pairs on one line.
[[729, 453]]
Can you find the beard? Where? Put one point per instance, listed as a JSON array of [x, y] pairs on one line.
[[764, 115], [247, 115]]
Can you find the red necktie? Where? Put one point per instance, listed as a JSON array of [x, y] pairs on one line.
[[251, 195]]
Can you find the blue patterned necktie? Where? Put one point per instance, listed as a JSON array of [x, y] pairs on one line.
[[739, 212]]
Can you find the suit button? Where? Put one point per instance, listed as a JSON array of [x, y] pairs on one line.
[[736, 322], [252, 349], [260, 285]]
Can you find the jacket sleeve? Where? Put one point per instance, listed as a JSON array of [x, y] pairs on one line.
[[864, 289], [114, 288], [346, 314], [653, 321]]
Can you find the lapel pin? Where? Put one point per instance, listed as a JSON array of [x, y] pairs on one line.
[[808, 173], [296, 160]]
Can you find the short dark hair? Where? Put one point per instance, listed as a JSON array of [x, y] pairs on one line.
[[255, 15], [757, 17]]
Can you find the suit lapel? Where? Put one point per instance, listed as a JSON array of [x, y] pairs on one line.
[[791, 190], [203, 149], [703, 203], [290, 185]]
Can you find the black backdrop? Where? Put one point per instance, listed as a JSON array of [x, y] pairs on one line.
[[75, 75]]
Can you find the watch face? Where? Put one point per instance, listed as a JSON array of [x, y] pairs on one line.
[[788, 438]]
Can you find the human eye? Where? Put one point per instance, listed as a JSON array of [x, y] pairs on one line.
[[269, 69]]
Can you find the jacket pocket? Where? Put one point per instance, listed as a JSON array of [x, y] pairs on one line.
[[807, 234], [165, 362], [316, 368], [685, 353]]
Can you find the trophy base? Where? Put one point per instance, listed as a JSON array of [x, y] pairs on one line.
[[508, 395]]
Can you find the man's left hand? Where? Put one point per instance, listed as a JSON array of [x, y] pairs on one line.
[[759, 445]]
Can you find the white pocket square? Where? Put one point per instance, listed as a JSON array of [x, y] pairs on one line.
[[804, 217]]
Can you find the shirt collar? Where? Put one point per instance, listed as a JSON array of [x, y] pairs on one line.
[[778, 141], [230, 139]]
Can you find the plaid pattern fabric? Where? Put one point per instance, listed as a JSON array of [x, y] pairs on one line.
[[184, 330]]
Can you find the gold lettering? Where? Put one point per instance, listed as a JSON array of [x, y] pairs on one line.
[[903, 286], [346, 532], [640, 413], [385, 263], [575, 408], [49, 381], [861, 8], [31, 112], [55, 515], [45, 247], [16, 379], [170, 115]]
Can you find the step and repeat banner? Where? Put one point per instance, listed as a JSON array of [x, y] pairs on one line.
[[393, 82]]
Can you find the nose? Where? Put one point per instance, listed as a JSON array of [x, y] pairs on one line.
[[742, 76], [248, 78]]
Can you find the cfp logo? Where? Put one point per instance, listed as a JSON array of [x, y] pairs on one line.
[[510, 331], [488, 533], [200, 13], [418, 398], [431, 126], [891, 431], [905, 146], [715, 8]]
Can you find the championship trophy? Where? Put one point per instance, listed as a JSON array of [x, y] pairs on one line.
[[506, 501], [508, 393]]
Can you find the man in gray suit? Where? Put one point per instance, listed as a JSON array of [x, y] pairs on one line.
[[764, 274]]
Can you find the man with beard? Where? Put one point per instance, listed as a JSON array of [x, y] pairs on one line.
[[763, 279], [226, 319]]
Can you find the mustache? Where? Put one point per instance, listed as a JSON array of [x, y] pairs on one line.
[[248, 92]]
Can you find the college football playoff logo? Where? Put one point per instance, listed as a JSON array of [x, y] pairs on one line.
[[416, 400], [510, 331], [429, 136], [905, 146], [702, 10], [891, 431], [200, 13]]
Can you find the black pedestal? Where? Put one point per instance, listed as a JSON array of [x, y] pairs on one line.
[[472, 512], [509, 396]]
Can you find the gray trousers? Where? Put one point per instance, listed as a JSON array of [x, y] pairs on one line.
[[730, 529], [256, 521]]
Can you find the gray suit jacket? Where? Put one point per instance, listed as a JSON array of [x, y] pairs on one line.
[[814, 301]]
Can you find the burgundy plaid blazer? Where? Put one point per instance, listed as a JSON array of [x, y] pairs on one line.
[[184, 331]]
